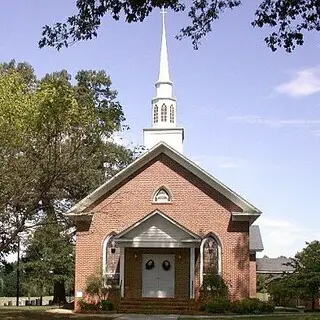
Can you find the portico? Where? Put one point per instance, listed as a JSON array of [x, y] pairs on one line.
[[157, 258]]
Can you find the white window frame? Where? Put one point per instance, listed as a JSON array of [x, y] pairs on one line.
[[215, 238], [105, 256], [155, 114], [172, 114], [154, 199], [164, 113]]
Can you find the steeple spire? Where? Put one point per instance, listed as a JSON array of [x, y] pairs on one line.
[[164, 105], [164, 75]]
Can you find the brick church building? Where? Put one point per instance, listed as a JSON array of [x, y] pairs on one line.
[[161, 224]]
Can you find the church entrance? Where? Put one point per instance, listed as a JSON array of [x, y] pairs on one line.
[[158, 275]]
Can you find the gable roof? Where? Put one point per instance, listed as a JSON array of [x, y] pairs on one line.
[[274, 265], [255, 240], [160, 225], [249, 211]]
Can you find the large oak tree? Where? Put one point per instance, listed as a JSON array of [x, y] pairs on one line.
[[288, 19], [55, 144]]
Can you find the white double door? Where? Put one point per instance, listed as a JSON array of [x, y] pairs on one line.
[[158, 281]]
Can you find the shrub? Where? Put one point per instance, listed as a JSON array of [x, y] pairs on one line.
[[106, 305], [88, 306], [218, 305], [251, 306], [215, 286]]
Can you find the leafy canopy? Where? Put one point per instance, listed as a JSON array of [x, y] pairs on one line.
[[304, 282], [55, 144], [289, 19]]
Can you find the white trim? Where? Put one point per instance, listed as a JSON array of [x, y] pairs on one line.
[[192, 258], [127, 240], [166, 190], [245, 216], [156, 212], [143, 160], [104, 253], [122, 272], [155, 244], [219, 255]]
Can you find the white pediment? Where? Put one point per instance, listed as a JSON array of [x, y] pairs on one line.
[[154, 230]]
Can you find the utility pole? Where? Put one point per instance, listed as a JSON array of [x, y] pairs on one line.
[[18, 273]]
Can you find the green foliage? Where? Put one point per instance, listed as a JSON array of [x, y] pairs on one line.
[[8, 280], [215, 286], [304, 282], [289, 19], [60, 149], [251, 306], [261, 283], [88, 306], [218, 305], [49, 259], [285, 289], [308, 271], [245, 306], [106, 305], [96, 286]]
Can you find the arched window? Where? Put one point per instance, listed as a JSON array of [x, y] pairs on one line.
[[162, 195], [155, 114], [171, 114], [111, 260], [163, 113], [210, 252]]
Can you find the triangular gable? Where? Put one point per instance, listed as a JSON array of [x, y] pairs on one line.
[[156, 228], [79, 209]]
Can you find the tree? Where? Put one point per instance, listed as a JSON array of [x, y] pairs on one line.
[[308, 270], [61, 147], [8, 280], [49, 260], [290, 19], [304, 282], [284, 289]]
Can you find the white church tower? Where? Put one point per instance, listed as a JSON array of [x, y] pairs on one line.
[[164, 106]]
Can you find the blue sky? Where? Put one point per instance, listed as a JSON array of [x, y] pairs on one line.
[[251, 117]]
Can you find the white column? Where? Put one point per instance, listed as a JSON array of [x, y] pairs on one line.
[[122, 271], [192, 257]]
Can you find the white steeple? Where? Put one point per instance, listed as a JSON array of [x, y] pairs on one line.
[[164, 105], [164, 75]]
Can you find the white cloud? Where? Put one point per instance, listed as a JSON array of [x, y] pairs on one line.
[[303, 83], [283, 237], [273, 122]]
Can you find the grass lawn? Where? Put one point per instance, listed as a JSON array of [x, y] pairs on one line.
[[286, 316], [39, 313]]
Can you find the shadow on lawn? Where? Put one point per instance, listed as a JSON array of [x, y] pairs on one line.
[[10, 314]]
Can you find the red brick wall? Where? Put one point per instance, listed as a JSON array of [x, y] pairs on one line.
[[253, 276], [195, 205]]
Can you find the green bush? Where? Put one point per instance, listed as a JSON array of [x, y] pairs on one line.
[[218, 305], [106, 305], [88, 306], [215, 286], [251, 306]]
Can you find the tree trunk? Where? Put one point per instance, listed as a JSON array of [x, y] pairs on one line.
[[313, 306], [59, 292]]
